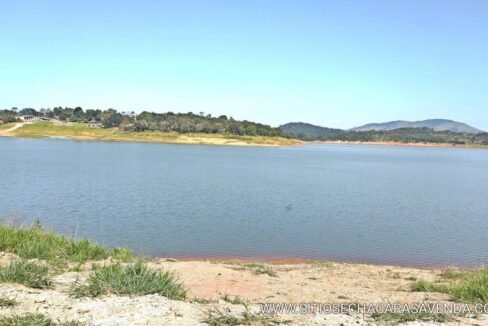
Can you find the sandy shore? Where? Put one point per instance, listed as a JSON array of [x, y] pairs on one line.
[[189, 140], [212, 283], [300, 281]]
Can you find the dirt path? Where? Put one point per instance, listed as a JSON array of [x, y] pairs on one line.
[[8, 132]]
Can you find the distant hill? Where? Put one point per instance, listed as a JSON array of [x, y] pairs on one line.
[[308, 131], [435, 124], [429, 131]]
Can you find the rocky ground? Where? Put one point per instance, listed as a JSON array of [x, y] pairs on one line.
[[212, 285]]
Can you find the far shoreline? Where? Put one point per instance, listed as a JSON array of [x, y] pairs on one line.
[[222, 141], [398, 144], [78, 132]]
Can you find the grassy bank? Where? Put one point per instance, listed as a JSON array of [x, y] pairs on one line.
[[132, 279], [43, 254], [469, 286], [5, 126], [80, 131], [36, 242], [27, 273]]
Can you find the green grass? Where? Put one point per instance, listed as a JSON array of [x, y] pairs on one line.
[[401, 318], [45, 128], [82, 131], [467, 286], [27, 273], [260, 269], [7, 303], [7, 125], [34, 320], [217, 317], [455, 274], [132, 279], [426, 286], [35, 242]]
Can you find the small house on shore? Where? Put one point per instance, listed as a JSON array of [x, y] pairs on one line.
[[28, 118], [94, 124]]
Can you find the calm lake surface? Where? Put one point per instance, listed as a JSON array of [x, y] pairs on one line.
[[401, 205]]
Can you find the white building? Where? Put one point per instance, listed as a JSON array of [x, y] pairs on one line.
[[28, 118]]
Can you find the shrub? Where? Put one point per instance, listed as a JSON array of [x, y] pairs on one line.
[[259, 269], [132, 279], [27, 273], [425, 286]]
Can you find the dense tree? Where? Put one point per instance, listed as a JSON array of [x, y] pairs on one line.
[[190, 122], [7, 116]]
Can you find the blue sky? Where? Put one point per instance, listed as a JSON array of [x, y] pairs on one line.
[[335, 63]]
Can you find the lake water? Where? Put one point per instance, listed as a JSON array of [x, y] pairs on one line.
[[400, 205]]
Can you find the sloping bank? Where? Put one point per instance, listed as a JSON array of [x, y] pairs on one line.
[[47, 279], [78, 131]]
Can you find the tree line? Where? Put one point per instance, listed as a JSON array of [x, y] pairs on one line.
[[166, 122], [401, 135]]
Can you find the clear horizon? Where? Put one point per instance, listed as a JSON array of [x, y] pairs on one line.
[[339, 64]]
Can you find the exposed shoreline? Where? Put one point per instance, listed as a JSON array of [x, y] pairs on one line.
[[236, 287], [398, 144], [299, 260], [80, 132], [298, 281], [88, 284]]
